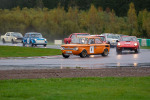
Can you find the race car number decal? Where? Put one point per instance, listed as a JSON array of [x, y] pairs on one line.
[[91, 49], [28, 40]]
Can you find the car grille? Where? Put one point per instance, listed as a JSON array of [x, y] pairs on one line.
[[40, 41]]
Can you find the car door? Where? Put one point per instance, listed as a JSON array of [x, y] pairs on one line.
[[91, 44], [98, 46], [7, 37]]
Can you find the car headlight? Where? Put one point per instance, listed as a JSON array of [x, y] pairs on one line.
[[35, 39], [113, 41], [135, 44], [118, 44], [75, 49], [15, 38], [45, 39], [62, 48]]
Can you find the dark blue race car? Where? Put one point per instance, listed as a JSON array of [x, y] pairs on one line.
[[34, 39]]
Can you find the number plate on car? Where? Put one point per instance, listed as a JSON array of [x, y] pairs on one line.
[[127, 43], [68, 51]]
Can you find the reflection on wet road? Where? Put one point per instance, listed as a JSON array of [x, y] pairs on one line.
[[126, 59]]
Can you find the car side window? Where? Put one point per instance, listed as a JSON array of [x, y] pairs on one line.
[[98, 41], [91, 41], [8, 34]]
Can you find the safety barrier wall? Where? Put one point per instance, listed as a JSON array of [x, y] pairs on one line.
[[144, 42]]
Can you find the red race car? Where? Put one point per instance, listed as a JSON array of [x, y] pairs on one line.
[[73, 37], [128, 43]]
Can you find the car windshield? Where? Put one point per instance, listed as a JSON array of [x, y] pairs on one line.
[[36, 35], [113, 36], [128, 39], [102, 38], [83, 40], [17, 34]]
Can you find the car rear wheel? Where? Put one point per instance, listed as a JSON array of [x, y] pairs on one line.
[[83, 54], [65, 56], [3, 40], [105, 53]]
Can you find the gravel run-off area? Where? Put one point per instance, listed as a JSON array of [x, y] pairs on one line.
[[61, 73]]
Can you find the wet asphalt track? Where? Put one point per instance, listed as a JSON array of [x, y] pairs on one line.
[[126, 59]]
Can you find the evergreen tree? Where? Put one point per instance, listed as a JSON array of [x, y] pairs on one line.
[[132, 20]]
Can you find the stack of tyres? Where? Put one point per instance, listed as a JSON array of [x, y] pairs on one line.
[[140, 41], [148, 42]]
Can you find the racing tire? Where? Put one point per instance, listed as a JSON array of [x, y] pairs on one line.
[[3, 40], [118, 51], [83, 54], [105, 53], [44, 45], [65, 56], [12, 41], [23, 44], [32, 45], [137, 50]]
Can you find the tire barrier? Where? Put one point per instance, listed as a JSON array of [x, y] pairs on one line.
[[144, 42]]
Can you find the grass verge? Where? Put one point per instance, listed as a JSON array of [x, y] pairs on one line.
[[14, 51], [145, 47], [108, 88]]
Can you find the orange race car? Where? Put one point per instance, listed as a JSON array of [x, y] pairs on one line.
[[85, 46]]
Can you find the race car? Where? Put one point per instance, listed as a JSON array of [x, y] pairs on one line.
[[128, 43], [102, 38], [34, 39], [87, 45]]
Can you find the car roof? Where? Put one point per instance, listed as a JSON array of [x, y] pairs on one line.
[[89, 36], [12, 32], [33, 33], [128, 36], [98, 35], [80, 33]]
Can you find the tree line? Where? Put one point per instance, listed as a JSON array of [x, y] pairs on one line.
[[58, 23], [119, 6]]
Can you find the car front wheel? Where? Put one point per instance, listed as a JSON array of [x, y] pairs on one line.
[[3, 40], [65, 56], [12, 41], [119, 51], [44, 45], [137, 50], [23, 44]]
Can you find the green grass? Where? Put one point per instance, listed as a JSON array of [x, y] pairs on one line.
[[14, 51], [108, 88], [145, 47]]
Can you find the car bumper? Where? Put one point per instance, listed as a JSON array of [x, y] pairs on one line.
[[70, 52], [40, 43], [127, 48], [18, 41]]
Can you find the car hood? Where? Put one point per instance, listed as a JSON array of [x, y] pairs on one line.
[[38, 38]]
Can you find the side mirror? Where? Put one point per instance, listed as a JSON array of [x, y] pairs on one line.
[[117, 40]]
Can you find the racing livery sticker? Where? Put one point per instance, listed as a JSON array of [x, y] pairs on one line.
[[91, 49]]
